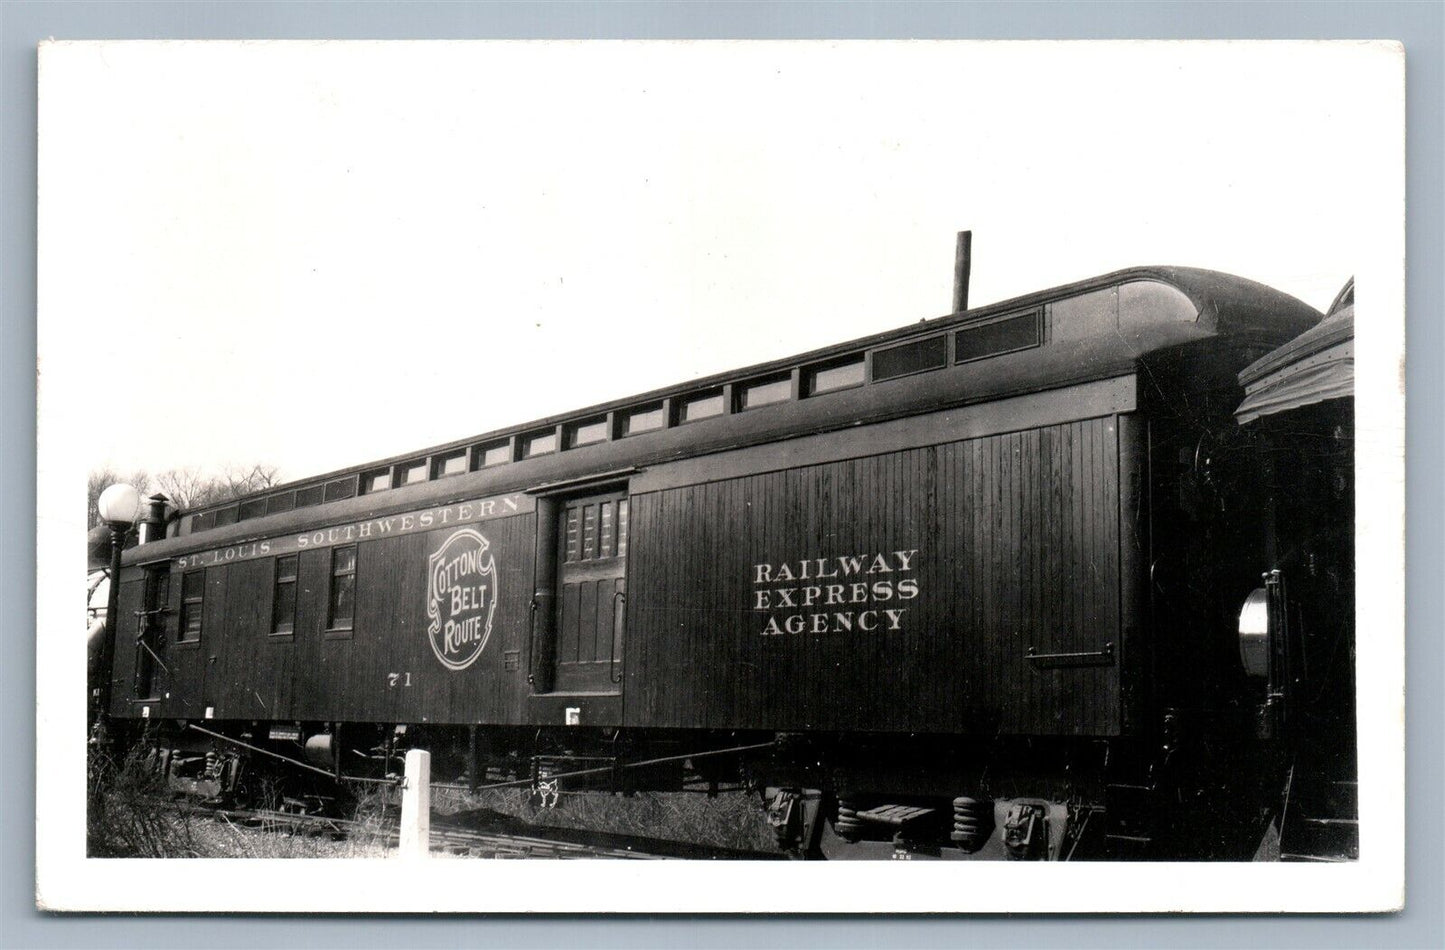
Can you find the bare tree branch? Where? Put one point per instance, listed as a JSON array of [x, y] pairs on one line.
[[241, 481], [187, 488]]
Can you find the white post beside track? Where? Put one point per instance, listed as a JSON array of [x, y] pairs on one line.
[[416, 805]]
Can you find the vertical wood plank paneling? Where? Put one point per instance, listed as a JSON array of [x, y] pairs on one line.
[[731, 631], [213, 635], [316, 661], [568, 624], [163, 679], [237, 647], [1112, 619], [1136, 664], [367, 697], [1086, 702], [602, 629], [1017, 540], [583, 636], [482, 692], [1017, 537], [992, 541], [123, 629], [188, 661], [1077, 635], [338, 664], [313, 678], [1029, 548]]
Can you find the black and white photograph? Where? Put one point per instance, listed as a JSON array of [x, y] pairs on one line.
[[785, 477]]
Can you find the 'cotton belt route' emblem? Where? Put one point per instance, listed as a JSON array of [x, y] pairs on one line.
[[461, 598]]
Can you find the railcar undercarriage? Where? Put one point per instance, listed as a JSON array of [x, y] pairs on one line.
[[832, 795]]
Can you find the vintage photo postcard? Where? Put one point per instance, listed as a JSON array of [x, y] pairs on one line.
[[719, 476]]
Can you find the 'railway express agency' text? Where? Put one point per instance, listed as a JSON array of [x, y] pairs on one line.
[[856, 592]]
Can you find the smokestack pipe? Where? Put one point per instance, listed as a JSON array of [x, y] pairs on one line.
[[962, 264], [153, 526]]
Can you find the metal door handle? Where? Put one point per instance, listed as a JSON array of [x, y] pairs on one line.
[[615, 672], [532, 645], [1104, 657]]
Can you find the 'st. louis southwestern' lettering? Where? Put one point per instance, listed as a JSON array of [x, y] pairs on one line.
[[372, 529]]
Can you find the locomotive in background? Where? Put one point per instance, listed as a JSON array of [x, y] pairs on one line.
[[983, 586]]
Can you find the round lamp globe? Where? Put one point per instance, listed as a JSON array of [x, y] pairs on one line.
[[119, 504]]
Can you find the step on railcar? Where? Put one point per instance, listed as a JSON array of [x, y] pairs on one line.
[[967, 588]]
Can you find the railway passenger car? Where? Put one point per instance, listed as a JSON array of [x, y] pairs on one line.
[[1297, 425], [965, 588]]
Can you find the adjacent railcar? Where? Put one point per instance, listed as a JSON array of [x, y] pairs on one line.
[[971, 582], [1297, 433]]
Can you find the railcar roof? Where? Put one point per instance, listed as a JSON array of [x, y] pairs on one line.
[[1314, 367], [1336, 328], [1221, 304]]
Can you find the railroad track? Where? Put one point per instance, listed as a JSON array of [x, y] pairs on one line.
[[483, 845], [451, 839]]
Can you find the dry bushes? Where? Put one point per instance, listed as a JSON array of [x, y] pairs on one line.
[[222, 838], [126, 817], [122, 820]]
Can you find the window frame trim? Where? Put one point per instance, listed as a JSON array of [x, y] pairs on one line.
[[809, 376], [948, 353], [789, 378], [477, 454], [624, 415], [614, 493], [354, 477], [437, 463], [724, 393], [333, 632], [570, 431], [1037, 313], [366, 480], [401, 468], [181, 639], [526, 438], [295, 583]]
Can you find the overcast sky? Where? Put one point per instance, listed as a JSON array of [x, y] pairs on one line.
[[313, 255]]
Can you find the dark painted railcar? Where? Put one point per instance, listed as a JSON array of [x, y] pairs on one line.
[[970, 581], [1297, 425]]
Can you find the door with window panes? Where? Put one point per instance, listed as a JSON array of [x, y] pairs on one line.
[[591, 593]]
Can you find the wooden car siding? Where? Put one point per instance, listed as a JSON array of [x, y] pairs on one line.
[[238, 612], [241, 671], [1018, 518], [985, 387], [122, 667], [307, 662], [1098, 398], [1018, 546]]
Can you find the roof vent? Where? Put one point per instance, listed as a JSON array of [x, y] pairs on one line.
[[962, 264]]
